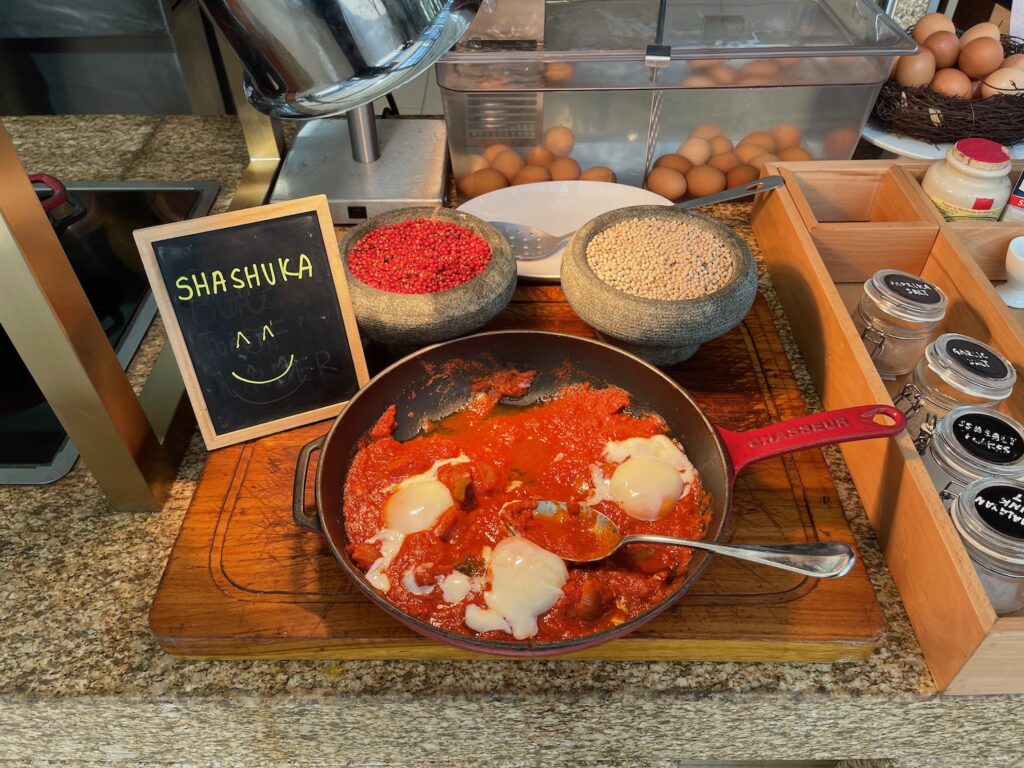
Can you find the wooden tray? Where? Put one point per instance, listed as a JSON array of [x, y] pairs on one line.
[[243, 582], [968, 648]]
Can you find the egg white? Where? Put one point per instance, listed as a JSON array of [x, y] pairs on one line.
[[417, 501], [526, 580], [651, 475]]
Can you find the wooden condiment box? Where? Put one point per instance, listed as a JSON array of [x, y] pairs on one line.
[[827, 231]]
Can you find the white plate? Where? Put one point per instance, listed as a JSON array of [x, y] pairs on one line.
[[557, 207], [904, 146]]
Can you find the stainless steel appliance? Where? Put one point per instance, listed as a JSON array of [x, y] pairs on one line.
[[323, 58]]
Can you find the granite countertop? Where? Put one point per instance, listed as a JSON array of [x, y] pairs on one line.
[[82, 679]]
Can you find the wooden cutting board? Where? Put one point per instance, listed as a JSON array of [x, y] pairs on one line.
[[243, 582]]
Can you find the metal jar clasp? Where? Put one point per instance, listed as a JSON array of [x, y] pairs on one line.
[[872, 335]]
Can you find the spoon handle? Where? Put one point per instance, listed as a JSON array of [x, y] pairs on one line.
[[823, 559], [733, 193]]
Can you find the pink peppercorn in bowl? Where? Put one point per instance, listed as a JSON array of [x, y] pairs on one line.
[[423, 275]]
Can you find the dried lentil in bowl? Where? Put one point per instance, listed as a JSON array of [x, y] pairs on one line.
[[419, 256], [658, 259]]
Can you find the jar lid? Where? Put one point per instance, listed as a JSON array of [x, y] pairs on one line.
[[989, 516], [982, 154], [971, 367], [972, 443], [906, 296]]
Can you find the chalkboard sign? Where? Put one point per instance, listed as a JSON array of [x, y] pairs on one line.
[[258, 313]]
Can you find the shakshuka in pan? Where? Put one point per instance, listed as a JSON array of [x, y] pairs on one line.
[[442, 523]]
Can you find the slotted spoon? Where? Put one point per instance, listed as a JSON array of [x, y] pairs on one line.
[[532, 243]]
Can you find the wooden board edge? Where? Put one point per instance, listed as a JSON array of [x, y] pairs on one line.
[[617, 650]]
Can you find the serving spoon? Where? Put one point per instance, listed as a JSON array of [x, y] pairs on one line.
[[532, 243], [820, 559]]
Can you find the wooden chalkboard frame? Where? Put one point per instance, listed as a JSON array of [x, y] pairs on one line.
[[147, 238]]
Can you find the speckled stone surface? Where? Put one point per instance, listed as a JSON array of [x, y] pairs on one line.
[[82, 681]]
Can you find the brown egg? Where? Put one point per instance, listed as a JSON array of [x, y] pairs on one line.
[[464, 165], [759, 161], [977, 32], [720, 145], [702, 64], [981, 57], [761, 138], [1016, 61], [509, 163], [931, 23], [723, 74], [531, 174], [741, 174], [483, 181], [494, 150], [1008, 81], [559, 140], [558, 72], [724, 162], [697, 151], [953, 83], [944, 47], [763, 69], [840, 142], [795, 153], [786, 135], [675, 162], [667, 182], [705, 131], [697, 81], [747, 152], [705, 180], [917, 70], [564, 169], [539, 156], [599, 173]]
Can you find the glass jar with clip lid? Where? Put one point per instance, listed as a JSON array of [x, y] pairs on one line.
[[989, 516], [955, 370], [896, 317], [969, 444]]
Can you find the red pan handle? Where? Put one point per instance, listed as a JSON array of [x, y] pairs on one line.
[[58, 193], [810, 431]]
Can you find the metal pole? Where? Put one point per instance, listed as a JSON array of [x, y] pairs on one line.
[[362, 131]]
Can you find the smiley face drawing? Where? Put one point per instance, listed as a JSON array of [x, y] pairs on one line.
[[266, 375]]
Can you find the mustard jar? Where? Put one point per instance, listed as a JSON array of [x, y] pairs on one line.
[[896, 317], [969, 444], [989, 516], [955, 370]]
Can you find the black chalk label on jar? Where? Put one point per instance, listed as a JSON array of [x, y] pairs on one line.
[[1002, 508], [988, 438], [977, 358], [912, 288]]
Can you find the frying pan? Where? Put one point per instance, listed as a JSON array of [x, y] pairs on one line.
[[436, 381]]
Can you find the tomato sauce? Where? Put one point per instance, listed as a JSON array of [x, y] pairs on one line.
[[517, 456]]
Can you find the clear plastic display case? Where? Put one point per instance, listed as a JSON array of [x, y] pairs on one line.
[[632, 78]]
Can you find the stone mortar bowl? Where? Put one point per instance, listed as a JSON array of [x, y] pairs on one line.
[[416, 319], [661, 331]]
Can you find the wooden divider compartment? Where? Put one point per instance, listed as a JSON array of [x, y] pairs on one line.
[[869, 216], [968, 648], [984, 241]]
